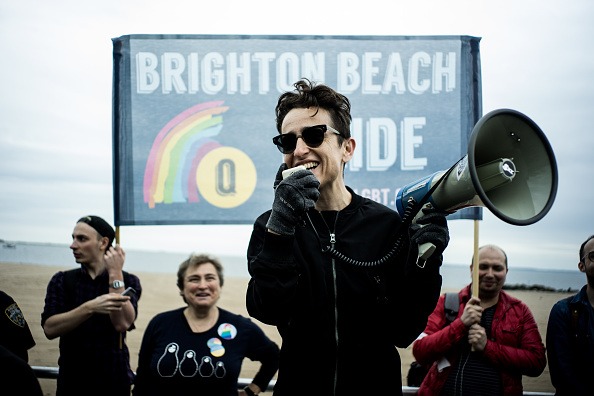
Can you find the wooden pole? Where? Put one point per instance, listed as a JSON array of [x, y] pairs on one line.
[[475, 260], [475, 269], [117, 241]]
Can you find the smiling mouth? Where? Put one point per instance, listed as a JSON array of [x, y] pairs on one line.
[[311, 165]]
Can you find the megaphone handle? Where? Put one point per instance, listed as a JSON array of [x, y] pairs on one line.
[[425, 251]]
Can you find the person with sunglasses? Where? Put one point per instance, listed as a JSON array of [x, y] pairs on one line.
[[570, 334], [325, 264]]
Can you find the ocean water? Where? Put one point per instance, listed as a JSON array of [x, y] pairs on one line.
[[136, 260], [454, 276], [458, 276]]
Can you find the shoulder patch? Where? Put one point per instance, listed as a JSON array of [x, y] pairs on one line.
[[15, 315]]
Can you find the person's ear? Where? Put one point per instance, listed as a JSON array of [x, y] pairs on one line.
[[349, 149], [104, 244]]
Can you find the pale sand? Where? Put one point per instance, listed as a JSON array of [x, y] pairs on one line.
[[27, 285]]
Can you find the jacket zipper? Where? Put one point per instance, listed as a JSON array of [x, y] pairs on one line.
[[333, 263], [332, 243]]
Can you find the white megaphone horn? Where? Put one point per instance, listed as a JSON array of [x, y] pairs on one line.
[[510, 169]]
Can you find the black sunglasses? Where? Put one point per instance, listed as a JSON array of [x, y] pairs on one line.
[[313, 136]]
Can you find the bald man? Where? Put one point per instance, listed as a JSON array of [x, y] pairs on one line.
[[489, 346]]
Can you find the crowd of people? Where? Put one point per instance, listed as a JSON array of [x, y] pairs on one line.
[[337, 274]]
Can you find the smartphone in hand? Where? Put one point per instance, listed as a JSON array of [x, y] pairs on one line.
[[129, 292]]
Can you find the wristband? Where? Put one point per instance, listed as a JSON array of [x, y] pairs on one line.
[[117, 284]]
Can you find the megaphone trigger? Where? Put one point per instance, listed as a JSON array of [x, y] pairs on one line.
[[429, 232], [425, 250]]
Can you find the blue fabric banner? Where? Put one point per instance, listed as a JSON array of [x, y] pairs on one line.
[[193, 117]]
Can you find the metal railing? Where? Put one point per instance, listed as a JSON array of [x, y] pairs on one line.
[[52, 373]]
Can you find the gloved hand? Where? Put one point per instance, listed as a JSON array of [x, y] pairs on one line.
[[293, 196], [279, 174], [431, 227]]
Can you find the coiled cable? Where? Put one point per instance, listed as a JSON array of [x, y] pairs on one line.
[[412, 208]]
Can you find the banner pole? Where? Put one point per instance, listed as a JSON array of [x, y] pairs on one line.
[[475, 260], [117, 241], [475, 269]]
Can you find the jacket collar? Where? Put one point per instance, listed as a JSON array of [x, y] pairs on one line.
[[581, 297], [356, 201]]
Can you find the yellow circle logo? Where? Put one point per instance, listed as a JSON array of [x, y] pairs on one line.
[[226, 177]]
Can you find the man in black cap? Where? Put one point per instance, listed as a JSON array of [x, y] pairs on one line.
[[85, 308]]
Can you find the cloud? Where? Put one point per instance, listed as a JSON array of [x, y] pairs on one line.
[[55, 144]]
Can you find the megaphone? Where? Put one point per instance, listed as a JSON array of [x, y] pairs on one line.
[[510, 169]]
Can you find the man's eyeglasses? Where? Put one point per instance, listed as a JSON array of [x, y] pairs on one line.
[[590, 256], [313, 136]]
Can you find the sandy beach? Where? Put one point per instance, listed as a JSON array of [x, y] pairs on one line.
[[27, 284]]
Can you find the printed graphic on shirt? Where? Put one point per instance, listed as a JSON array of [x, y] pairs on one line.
[[206, 368], [220, 371], [15, 315], [227, 331], [216, 347], [188, 367], [169, 363]]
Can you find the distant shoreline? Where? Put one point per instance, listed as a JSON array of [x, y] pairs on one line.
[[454, 276], [539, 288], [11, 244]]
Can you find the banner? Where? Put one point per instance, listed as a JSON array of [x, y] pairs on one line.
[[193, 117]]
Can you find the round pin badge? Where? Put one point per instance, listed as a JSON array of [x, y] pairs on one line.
[[227, 331]]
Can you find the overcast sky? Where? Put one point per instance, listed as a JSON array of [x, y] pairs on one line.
[[56, 78]]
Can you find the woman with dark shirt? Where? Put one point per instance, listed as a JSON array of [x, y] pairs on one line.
[[199, 349]]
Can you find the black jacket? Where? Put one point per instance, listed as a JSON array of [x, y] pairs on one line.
[[340, 322]]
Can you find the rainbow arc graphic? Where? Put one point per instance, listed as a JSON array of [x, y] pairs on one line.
[[177, 150]]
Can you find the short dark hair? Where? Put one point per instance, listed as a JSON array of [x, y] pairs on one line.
[[194, 261], [584, 247], [311, 95]]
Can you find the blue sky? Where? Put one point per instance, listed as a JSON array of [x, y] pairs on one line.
[[55, 140]]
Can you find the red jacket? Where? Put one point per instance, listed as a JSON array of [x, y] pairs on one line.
[[515, 345]]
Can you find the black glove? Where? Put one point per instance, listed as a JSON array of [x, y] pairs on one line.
[[293, 196], [431, 227], [279, 175]]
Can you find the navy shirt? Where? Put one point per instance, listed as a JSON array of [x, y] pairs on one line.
[[14, 329], [173, 360], [570, 347], [93, 357]]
